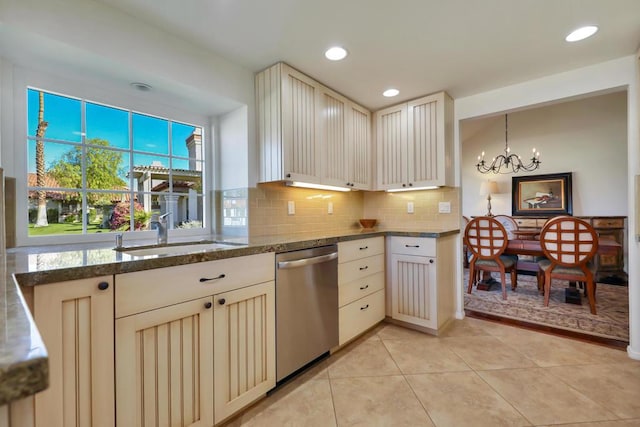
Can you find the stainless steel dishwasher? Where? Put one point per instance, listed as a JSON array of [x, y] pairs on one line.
[[306, 307]]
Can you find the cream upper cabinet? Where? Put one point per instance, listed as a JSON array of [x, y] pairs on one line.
[[75, 319], [391, 141], [287, 105], [346, 142], [360, 148], [415, 143], [309, 133]]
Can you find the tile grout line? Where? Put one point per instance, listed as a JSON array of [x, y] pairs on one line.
[[404, 377]]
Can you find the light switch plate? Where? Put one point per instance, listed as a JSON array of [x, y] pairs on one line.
[[444, 207], [291, 207], [410, 207], [330, 208]]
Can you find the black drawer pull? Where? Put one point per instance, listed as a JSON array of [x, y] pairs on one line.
[[103, 286], [364, 268], [208, 304], [431, 261], [362, 288], [205, 279], [366, 247], [411, 246], [221, 301], [365, 307]]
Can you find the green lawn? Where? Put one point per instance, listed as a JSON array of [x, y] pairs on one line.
[[64, 228]]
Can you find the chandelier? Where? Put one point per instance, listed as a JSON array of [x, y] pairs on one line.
[[507, 162]]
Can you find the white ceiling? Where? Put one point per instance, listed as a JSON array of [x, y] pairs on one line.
[[417, 46]]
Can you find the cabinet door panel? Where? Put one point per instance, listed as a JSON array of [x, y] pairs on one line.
[[333, 110], [391, 137], [244, 344], [360, 144], [164, 371], [414, 294], [424, 150], [75, 320], [299, 130]]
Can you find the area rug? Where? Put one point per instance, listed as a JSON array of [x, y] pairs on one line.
[[526, 304]]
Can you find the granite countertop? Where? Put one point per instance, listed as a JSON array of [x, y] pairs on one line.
[[23, 357]]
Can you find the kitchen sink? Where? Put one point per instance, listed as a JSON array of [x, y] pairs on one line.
[[177, 249]]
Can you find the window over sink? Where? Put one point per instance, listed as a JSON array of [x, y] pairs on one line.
[[89, 165]]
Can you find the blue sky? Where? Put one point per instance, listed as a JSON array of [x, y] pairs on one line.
[[64, 115]]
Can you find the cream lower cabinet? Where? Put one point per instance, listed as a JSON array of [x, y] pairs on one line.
[[244, 347], [361, 293], [164, 366], [422, 280], [75, 320], [194, 362]]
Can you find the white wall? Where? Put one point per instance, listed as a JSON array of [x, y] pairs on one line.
[[234, 160], [75, 38], [603, 77], [587, 137]]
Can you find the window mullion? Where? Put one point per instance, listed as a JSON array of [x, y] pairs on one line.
[[83, 167]]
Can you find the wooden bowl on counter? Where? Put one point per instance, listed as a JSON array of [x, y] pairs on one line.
[[368, 223]]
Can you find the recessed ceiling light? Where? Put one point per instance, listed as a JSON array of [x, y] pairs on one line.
[[141, 86], [390, 92], [336, 53], [581, 33]]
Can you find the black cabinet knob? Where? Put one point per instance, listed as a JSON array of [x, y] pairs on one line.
[[288, 175], [221, 301], [208, 304], [404, 185], [103, 286], [431, 261], [410, 185]]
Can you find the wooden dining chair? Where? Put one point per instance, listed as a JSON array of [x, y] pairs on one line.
[[569, 244], [486, 240], [509, 224], [465, 251]]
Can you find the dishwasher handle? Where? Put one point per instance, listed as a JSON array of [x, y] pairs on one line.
[[307, 261]]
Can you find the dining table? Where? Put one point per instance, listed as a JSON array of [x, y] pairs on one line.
[[606, 246], [526, 245]]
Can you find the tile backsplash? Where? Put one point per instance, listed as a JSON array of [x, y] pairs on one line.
[[390, 209], [268, 213], [268, 209]]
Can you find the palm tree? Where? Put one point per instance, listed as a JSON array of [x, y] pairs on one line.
[[40, 172]]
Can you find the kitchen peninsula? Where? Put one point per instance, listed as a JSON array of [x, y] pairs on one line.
[[39, 266]]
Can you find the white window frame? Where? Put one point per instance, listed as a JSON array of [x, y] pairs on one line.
[[143, 103]]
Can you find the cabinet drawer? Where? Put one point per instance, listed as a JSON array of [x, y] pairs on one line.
[[608, 223], [145, 290], [357, 249], [360, 315], [349, 292], [354, 270], [527, 222], [423, 246]]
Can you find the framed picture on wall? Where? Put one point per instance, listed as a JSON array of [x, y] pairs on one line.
[[541, 195]]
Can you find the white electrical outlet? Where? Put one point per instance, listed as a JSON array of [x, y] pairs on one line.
[[444, 207], [330, 208], [291, 207], [410, 207]]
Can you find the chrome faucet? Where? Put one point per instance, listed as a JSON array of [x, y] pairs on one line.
[[162, 226]]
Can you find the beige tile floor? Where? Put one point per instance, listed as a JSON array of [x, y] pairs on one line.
[[479, 373]]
